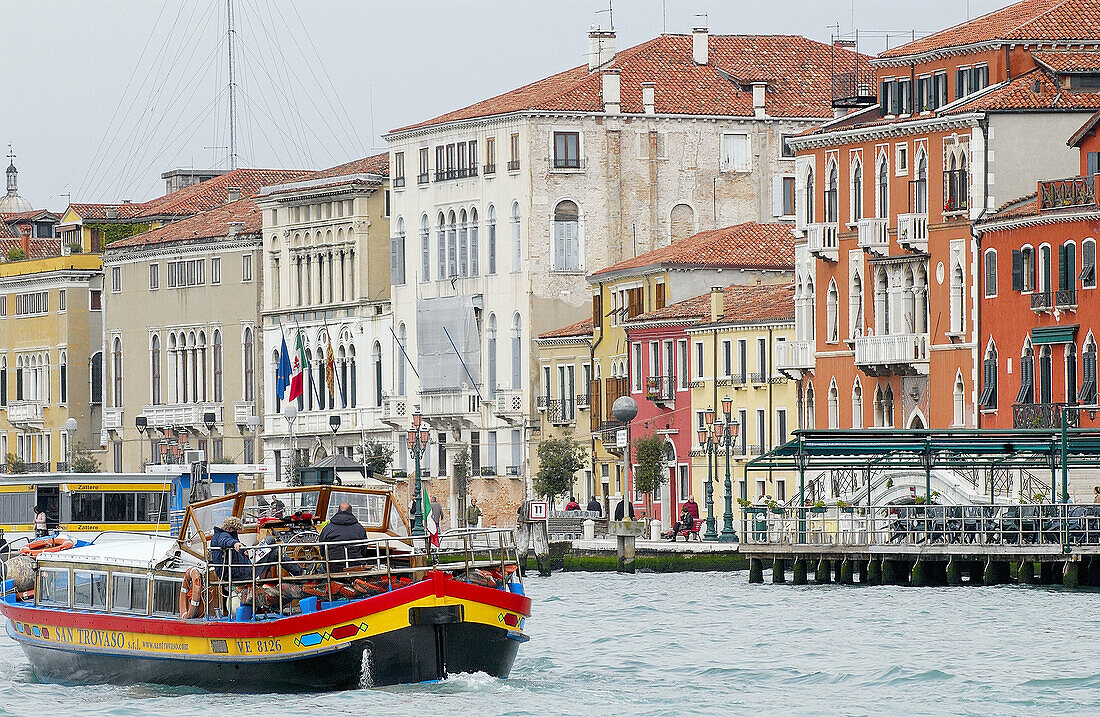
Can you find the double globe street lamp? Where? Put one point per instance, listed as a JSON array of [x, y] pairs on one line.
[[417, 440], [711, 437]]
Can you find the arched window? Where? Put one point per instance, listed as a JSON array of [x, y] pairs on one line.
[[882, 195], [809, 421], [192, 351], [452, 245], [463, 245], [475, 249], [1027, 375], [882, 302], [1027, 270], [1071, 374], [397, 254], [517, 244], [441, 248], [990, 273], [376, 360], [352, 381], [878, 405], [567, 248], [831, 189], [201, 350], [957, 299], [810, 197], [1067, 272], [1044, 268], [322, 399], [832, 334], [681, 222], [855, 308], [988, 399], [342, 376], [491, 249], [95, 370], [399, 358], [517, 352], [154, 370], [959, 403], [491, 355], [217, 341], [1088, 264], [249, 360], [920, 185], [834, 406], [311, 387], [888, 407], [857, 190], [116, 368], [857, 405], [425, 249], [1046, 388]]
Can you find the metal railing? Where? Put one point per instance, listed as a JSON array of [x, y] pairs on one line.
[[298, 566], [1041, 301], [422, 178], [1043, 415], [1069, 192], [660, 388], [560, 411], [513, 165], [1050, 524], [1065, 298]]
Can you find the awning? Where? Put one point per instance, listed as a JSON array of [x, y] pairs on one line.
[[1053, 335]]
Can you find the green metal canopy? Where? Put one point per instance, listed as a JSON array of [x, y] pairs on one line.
[[1041, 335]]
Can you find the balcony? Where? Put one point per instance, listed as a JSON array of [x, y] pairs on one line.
[[450, 404], [1070, 192], [873, 235], [398, 182], [1065, 299], [756, 449], [758, 379], [112, 419], [561, 411], [395, 409], [26, 413], [660, 389], [584, 401], [508, 402], [513, 166], [913, 231], [422, 178], [490, 169], [242, 411], [1041, 302], [1043, 415], [900, 354], [822, 240], [176, 415], [794, 356]]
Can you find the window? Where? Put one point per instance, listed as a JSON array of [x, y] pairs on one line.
[[397, 254], [567, 250], [116, 280], [1087, 394], [217, 360], [832, 332], [116, 371], [191, 272], [1046, 387], [780, 426], [918, 188], [517, 352], [491, 249], [901, 160], [567, 150], [785, 149], [636, 367], [398, 169], [681, 364], [1027, 375], [490, 155], [90, 589], [129, 593], [905, 96], [1088, 264], [3, 306], [452, 245], [809, 198], [517, 453], [939, 90], [698, 367], [957, 299], [857, 191], [246, 268], [785, 203], [1067, 266], [834, 407], [386, 209], [53, 587], [1071, 373], [249, 360], [154, 370], [422, 177], [475, 249], [990, 273], [517, 246], [1023, 269], [463, 245], [743, 362], [735, 155], [809, 421], [513, 161], [832, 180], [154, 276], [762, 359], [761, 430], [166, 593], [33, 304], [95, 378], [727, 357], [857, 405]]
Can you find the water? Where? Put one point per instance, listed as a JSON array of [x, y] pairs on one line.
[[710, 644]]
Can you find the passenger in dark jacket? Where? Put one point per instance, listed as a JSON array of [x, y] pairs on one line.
[[594, 506], [343, 527], [227, 551]]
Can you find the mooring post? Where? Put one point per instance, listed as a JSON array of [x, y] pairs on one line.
[[845, 574], [1025, 572], [822, 574], [756, 570], [918, 577], [778, 576], [798, 572], [874, 572], [1070, 574]]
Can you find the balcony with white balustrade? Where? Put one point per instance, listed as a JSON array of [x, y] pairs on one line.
[[794, 357], [112, 419], [913, 231], [892, 354], [395, 410], [26, 413], [178, 415], [823, 240], [873, 235]]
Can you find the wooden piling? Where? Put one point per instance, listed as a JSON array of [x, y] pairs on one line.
[[798, 572], [756, 570], [778, 575], [1070, 574], [953, 574], [844, 575], [874, 572], [822, 575]]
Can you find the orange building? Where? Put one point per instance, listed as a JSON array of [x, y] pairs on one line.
[[886, 289]]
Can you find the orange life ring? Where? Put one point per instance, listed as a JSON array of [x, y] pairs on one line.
[[191, 594], [26, 595], [47, 545]]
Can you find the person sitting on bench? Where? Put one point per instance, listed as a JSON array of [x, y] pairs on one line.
[[686, 525]]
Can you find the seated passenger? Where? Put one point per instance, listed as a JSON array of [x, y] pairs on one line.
[[227, 552], [192, 597], [341, 528], [269, 555]]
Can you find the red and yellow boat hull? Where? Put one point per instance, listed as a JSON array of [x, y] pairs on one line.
[[422, 632]]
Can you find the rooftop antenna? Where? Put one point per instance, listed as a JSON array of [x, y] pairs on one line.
[[213, 156], [664, 17], [232, 92], [706, 18], [610, 14]]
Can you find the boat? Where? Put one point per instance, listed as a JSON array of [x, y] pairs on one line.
[[302, 614]]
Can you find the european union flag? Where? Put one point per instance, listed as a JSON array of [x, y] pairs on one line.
[[282, 377]]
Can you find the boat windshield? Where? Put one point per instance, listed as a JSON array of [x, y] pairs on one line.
[[279, 504], [368, 508]]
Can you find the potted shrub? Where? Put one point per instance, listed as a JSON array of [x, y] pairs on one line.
[[774, 506], [818, 507], [845, 507]]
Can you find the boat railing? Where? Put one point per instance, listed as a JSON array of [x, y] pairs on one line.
[[282, 573]]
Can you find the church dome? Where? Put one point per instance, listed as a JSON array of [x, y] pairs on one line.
[[12, 202]]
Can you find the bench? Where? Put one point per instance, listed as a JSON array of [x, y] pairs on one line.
[[569, 524], [696, 525]]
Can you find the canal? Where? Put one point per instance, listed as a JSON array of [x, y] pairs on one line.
[[711, 644]]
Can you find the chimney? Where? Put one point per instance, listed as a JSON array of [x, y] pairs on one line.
[[649, 90], [611, 104], [235, 228], [232, 194], [759, 97], [601, 47], [717, 304], [25, 240], [700, 39]]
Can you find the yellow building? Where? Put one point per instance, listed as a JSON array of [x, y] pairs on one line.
[[745, 254], [734, 356]]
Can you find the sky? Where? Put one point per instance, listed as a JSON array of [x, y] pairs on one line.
[[101, 96]]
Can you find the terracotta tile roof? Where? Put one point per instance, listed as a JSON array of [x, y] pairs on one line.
[[1050, 20], [579, 329], [375, 164], [796, 69], [1034, 90], [748, 245], [741, 304], [30, 216], [206, 225], [39, 248], [95, 211], [7, 231], [1069, 61]]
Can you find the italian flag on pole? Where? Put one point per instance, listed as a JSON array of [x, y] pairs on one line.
[[430, 526], [297, 365]]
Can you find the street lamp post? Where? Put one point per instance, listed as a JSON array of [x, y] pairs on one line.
[[1065, 410], [253, 424], [290, 413], [142, 425], [625, 410], [210, 419], [729, 433], [70, 428], [334, 426], [706, 439], [417, 440]]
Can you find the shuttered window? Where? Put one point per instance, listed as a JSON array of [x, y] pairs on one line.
[[989, 383], [1027, 375]]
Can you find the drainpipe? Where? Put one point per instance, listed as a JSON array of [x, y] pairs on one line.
[[592, 435], [983, 124]]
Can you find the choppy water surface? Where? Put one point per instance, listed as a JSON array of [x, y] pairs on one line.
[[708, 644]]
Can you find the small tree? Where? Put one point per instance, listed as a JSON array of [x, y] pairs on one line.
[[15, 464], [83, 460], [378, 455], [559, 460], [16, 254], [649, 475]]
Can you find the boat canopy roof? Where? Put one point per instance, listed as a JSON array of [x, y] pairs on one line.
[[136, 553]]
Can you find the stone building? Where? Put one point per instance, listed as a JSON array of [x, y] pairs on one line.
[[501, 208]]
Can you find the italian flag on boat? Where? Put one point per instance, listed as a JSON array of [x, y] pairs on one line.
[[297, 366], [430, 526]]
